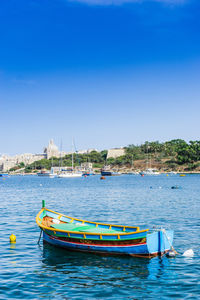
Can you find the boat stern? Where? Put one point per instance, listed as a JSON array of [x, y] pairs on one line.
[[159, 242]]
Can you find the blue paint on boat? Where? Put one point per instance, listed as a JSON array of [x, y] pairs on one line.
[[137, 249], [102, 238], [157, 243]]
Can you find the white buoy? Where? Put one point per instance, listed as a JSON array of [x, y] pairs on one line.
[[188, 253]]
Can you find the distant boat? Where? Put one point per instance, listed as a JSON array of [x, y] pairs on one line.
[[172, 173], [43, 173], [106, 171], [52, 174], [3, 175], [88, 174], [66, 173], [131, 173], [85, 236], [150, 172], [116, 174], [46, 173]]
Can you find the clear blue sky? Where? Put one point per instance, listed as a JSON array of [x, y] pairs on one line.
[[108, 73]]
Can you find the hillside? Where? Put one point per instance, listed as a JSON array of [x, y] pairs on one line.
[[175, 155]]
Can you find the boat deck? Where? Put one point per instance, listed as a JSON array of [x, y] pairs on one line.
[[61, 225], [77, 227], [86, 228]]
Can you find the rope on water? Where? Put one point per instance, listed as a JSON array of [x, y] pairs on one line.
[[40, 236]]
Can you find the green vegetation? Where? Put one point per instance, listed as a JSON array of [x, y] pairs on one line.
[[179, 151], [170, 155], [21, 165]]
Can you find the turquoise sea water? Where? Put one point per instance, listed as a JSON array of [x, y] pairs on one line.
[[32, 271]]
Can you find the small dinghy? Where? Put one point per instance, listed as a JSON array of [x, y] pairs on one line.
[[80, 235]]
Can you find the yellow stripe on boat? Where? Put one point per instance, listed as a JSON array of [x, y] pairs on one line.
[[91, 233]]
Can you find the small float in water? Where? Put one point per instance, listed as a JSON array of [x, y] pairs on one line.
[[188, 253], [94, 237], [175, 187]]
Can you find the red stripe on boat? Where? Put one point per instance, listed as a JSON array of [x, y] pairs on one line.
[[99, 245]]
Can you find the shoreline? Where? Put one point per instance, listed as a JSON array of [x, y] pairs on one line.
[[120, 173]]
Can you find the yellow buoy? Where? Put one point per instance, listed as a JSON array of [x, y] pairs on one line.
[[13, 238]]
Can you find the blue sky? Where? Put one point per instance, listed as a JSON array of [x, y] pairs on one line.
[[109, 73]]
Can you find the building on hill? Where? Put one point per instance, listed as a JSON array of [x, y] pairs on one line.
[[8, 162], [51, 150], [86, 151], [86, 166], [115, 152]]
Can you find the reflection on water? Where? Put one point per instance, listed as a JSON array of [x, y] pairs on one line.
[[62, 259], [142, 268], [12, 246]]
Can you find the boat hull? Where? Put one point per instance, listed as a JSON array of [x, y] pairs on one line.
[[72, 175], [156, 243], [43, 174], [106, 173]]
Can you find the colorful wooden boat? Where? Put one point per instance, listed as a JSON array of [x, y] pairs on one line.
[[80, 235]]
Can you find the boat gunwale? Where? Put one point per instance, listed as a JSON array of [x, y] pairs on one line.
[[86, 233]]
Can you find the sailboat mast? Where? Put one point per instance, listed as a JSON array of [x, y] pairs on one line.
[[147, 161], [72, 156], [60, 160]]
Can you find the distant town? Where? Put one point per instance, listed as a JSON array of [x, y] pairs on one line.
[[175, 155], [8, 163]]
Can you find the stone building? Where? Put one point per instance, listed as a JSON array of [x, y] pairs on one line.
[[8, 162], [86, 166], [116, 152]]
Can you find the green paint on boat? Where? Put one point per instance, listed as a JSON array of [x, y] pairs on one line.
[[68, 227], [85, 228]]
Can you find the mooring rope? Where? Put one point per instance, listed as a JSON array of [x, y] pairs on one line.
[[172, 248]]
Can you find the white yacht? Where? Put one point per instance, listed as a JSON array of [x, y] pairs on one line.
[[69, 175], [66, 173], [52, 174]]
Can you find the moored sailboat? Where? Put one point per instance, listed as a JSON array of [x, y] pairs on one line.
[[69, 173]]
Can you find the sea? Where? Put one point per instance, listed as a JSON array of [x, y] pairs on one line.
[[29, 270]]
